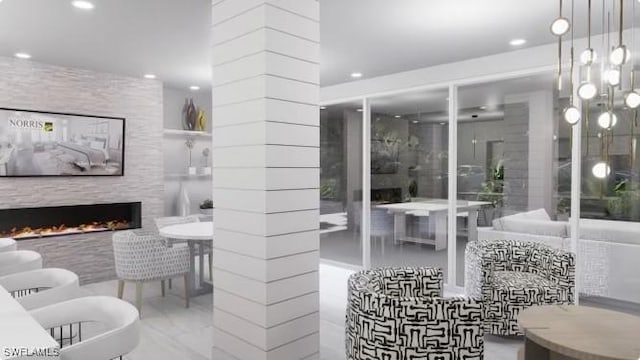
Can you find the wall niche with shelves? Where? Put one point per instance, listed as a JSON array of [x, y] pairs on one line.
[[183, 168]]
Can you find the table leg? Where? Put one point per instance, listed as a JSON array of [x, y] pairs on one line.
[[432, 225], [533, 351], [472, 225], [399, 227], [192, 266], [441, 229], [201, 264]]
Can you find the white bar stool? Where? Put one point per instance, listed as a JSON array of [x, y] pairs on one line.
[[12, 262], [119, 318], [37, 288], [8, 244]]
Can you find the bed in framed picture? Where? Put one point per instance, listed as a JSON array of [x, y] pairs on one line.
[[38, 143]]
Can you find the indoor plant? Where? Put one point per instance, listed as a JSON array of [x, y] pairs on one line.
[[206, 207]]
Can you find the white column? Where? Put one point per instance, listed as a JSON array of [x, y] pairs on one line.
[[266, 178]]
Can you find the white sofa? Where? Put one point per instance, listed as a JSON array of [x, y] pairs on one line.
[[608, 251]]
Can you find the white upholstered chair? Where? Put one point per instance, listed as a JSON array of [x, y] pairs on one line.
[[143, 257], [8, 244], [119, 320], [41, 287], [12, 262]]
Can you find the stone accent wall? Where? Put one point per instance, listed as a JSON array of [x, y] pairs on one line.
[[35, 86]]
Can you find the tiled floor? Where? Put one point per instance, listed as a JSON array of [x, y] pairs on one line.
[[169, 331]]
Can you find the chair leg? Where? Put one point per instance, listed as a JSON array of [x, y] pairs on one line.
[[120, 289], [170, 284], [211, 266], [162, 287], [139, 297], [186, 289]]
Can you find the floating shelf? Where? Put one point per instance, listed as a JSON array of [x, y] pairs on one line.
[[178, 132], [186, 176]]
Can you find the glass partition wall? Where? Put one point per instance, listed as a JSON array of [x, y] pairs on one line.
[[341, 183], [409, 179], [505, 158], [508, 155]]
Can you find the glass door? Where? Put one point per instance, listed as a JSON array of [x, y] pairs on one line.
[[409, 179], [341, 183]]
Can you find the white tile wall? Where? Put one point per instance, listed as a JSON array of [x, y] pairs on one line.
[[266, 178]]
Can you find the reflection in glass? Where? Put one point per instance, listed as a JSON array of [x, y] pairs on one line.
[[341, 183], [409, 179]]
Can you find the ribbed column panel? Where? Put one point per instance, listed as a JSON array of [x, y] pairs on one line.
[[266, 178]]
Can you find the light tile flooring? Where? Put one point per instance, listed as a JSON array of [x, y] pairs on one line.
[[169, 331]]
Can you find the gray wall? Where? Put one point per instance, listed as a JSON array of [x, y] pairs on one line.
[[35, 86], [484, 132], [176, 154]]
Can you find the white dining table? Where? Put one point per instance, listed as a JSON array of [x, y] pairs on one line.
[[195, 233], [436, 210], [21, 335]]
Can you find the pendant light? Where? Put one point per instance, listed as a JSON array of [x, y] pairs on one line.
[[587, 89], [588, 56], [612, 76], [560, 25], [607, 120], [572, 114], [632, 98], [620, 55], [601, 170]]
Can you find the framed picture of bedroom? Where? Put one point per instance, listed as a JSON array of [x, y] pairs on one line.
[[39, 143]]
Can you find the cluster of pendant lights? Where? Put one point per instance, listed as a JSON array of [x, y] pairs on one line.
[[611, 74]]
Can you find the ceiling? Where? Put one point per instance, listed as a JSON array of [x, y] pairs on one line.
[[170, 38]]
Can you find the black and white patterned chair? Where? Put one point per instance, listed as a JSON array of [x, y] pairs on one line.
[[399, 314], [510, 276]]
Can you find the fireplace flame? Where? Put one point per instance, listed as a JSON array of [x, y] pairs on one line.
[[28, 232]]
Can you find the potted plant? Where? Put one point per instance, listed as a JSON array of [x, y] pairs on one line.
[[492, 191], [206, 207]]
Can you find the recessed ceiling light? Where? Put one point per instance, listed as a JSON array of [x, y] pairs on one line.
[[81, 4], [359, 110], [483, 107], [443, 123], [149, 76], [323, 107], [415, 121], [397, 116], [356, 75], [22, 55], [194, 88], [517, 42]]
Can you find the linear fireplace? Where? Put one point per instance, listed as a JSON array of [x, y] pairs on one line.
[[27, 223]]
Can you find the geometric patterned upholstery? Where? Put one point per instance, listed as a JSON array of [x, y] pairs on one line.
[[141, 256], [399, 314], [509, 276]]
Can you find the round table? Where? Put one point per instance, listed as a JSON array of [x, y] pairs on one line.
[[189, 231], [579, 332], [193, 233]]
